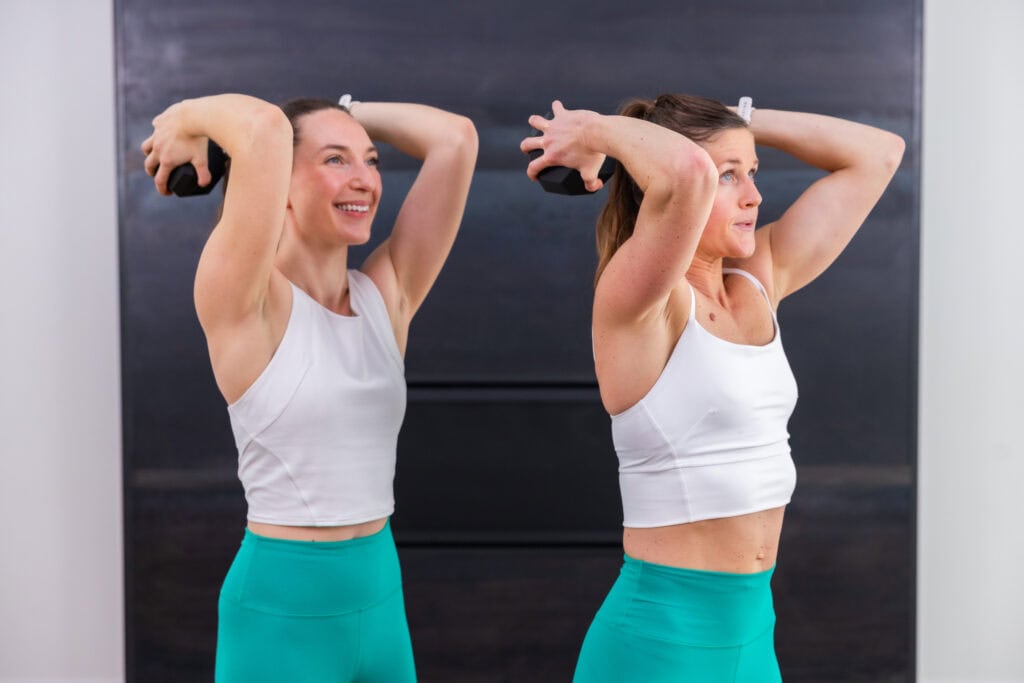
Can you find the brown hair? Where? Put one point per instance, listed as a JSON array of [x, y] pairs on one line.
[[697, 118], [297, 108]]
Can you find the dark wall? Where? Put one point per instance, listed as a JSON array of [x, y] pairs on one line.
[[508, 515]]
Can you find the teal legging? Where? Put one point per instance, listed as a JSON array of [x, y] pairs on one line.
[[663, 624], [314, 612]]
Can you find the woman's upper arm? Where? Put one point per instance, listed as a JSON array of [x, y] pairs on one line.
[[652, 261], [812, 233], [408, 262], [431, 214], [234, 270], [819, 225]]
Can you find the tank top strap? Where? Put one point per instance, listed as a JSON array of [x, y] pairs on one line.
[[753, 279], [302, 307], [369, 304]]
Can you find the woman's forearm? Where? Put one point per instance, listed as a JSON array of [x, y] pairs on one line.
[[825, 142], [414, 129], [655, 157], [238, 123]]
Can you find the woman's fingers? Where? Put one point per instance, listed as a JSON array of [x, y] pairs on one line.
[[589, 172], [535, 142], [166, 150], [543, 160], [531, 143], [203, 176], [163, 171], [151, 163], [539, 122], [558, 142]]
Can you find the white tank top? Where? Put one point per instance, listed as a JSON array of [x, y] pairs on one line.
[[318, 429], [709, 439]]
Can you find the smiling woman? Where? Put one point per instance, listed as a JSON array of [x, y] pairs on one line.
[[308, 354], [335, 160]]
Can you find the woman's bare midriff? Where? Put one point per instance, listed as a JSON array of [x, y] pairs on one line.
[[321, 534], [746, 544]]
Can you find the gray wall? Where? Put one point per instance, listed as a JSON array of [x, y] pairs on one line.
[[61, 583], [60, 577], [970, 551]]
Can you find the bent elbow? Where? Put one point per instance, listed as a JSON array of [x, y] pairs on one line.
[[456, 143], [692, 172], [268, 129], [464, 136], [271, 120], [894, 153]]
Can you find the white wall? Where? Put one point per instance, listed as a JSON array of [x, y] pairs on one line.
[[60, 449], [60, 501], [971, 530]]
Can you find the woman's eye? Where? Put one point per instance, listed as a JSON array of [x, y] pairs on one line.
[[728, 176], [334, 160], [373, 162]]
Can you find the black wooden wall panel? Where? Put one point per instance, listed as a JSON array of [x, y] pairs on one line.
[[508, 513]]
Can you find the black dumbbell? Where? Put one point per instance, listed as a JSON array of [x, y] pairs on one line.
[[184, 181], [565, 180]]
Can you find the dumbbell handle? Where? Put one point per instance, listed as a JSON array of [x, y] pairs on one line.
[[569, 181], [184, 180]]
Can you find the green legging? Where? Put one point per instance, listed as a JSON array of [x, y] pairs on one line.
[[663, 624], [314, 612]]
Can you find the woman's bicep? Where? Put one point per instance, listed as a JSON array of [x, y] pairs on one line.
[[644, 270], [430, 216], [235, 266], [815, 230]]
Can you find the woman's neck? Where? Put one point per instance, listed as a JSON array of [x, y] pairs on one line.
[[705, 275], [321, 272]]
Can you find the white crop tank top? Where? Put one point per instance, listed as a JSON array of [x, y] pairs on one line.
[[709, 440], [318, 429]]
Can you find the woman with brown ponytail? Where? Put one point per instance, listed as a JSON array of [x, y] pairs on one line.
[[690, 363]]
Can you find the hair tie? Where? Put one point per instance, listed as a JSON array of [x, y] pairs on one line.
[[745, 108]]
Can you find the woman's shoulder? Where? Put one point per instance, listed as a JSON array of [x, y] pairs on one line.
[[381, 274]]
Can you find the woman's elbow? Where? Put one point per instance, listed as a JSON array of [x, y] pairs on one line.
[[269, 122], [457, 144], [464, 135], [692, 171], [893, 154]]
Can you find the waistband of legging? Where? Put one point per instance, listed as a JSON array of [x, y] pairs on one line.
[[717, 595], [313, 579], [692, 606], [381, 538], [760, 579]]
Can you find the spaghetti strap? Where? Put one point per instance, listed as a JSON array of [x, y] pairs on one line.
[[753, 279]]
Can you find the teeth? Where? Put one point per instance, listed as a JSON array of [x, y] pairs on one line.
[[354, 207]]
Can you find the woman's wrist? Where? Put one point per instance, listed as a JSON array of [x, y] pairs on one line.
[[591, 131]]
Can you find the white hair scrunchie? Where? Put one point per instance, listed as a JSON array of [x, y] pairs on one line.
[[745, 108]]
